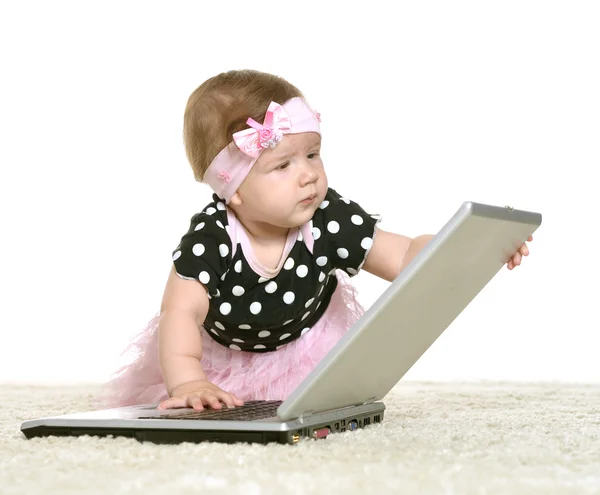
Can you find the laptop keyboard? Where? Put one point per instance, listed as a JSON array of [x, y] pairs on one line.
[[251, 410]]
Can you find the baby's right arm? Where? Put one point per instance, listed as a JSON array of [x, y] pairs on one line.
[[183, 311]]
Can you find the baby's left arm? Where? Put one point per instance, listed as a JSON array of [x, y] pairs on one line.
[[391, 253]]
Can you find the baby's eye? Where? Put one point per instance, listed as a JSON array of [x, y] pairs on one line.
[[283, 166], [312, 155]]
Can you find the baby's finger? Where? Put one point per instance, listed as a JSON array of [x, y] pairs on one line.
[[517, 259], [212, 401], [524, 250], [196, 402], [236, 400], [173, 402], [225, 398]]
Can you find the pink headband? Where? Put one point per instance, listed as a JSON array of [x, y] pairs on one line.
[[234, 162]]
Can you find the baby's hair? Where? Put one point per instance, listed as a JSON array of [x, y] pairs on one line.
[[220, 106]]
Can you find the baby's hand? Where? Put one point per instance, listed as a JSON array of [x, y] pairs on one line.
[[198, 394], [516, 258]]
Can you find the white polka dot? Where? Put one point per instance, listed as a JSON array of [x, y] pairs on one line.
[[238, 340], [316, 233], [304, 330], [259, 346], [342, 253], [214, 331], [322, 260], [220, 206], [238, 266], [318, 305], [300, 237], [278, 347], [351, 271], [324, 204], [305, 315], [218, 294], [271, 287], [309, 302], [224, 275], [320, 291], [285, 336], [366, 243], [264, 333], [204, 277], [286, 322], [176, 255], [238, 290], [255, 308], [210, 211], [357, 220], [289, 264], [321, 277], [224, 250], [220, 224], [199, 226], [225, 308], [332, 271], [376, 216], [245, 327], [289, 297], [235, 347], [262, 280], [218, 324], [302, 271], [333, 227], [198, 249], [345, 200]]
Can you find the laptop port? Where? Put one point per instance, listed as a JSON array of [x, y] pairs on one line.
[[321, 432], [337, 426], [353, 425], [343, 430], [343, 422], [367, 421], [377, 419], [295, 438]]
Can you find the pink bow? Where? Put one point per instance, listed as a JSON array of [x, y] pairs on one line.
[[259, 137]]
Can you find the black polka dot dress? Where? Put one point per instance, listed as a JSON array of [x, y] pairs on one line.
[[252, 312]]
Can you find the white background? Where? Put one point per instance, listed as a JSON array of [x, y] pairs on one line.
[[424, 106]]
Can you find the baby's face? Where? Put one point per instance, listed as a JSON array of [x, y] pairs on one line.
[[287, 183]]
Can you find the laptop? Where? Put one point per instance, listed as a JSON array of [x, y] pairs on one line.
[[345, 390]]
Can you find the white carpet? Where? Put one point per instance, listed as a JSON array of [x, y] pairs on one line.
[[482, 438]]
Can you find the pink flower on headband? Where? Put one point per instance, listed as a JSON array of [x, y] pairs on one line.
[[224, 176], [266, 135]]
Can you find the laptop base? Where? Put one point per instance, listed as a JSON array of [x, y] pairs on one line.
[[315, 431]]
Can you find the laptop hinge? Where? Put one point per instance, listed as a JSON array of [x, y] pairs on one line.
[[370, 400], [304, 416]]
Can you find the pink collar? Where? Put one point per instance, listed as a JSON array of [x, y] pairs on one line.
[[237, 233]]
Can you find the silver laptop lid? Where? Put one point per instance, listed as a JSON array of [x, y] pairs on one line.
[[414, 311]]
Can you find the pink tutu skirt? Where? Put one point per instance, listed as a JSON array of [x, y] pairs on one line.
[[248, 375]]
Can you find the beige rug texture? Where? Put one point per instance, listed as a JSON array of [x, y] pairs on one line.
[[436, 438]]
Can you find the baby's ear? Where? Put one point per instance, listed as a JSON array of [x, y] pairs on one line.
[[236, 199]]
